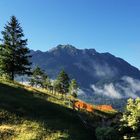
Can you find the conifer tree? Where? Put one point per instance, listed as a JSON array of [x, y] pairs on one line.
[[56, 86], [38, 78], [73, 88], [14, 55], [62, 82], [47, 84]]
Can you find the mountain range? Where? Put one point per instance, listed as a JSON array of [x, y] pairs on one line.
[[102, 77]]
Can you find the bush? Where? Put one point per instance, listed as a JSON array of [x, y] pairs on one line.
[[106, 133], [130, 121]]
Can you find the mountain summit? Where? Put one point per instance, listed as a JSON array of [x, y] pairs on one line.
[[83, 64], [87, 66]]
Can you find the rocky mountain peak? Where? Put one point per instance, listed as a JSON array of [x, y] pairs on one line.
[[63, 47]]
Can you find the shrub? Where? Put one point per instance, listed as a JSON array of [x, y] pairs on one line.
[[106, 133]]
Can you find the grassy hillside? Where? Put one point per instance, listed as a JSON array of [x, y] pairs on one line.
[[27, 114]]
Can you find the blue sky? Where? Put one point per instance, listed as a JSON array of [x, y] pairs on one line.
[[106, 25]]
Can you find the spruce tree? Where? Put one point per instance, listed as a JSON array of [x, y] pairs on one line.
[[38, 78], [56, 86], [73, 88], [47, 83], [63, 82], [14, 55]]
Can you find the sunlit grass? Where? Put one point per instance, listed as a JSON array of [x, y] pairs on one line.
[[29, 130], [28, 113]]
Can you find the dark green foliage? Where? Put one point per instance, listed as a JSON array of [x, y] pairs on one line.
[[73, 88], [106, 133], [38, 78], [47, 84], [56, 85], [62, 82], [14, 54]]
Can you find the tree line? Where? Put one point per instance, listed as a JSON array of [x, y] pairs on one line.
[[62, 84], [15, 60]]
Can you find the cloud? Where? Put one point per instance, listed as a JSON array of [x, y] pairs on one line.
[[135, 84], [105, 70], [107, 90], [80, 92], [100, 70], [131, 88]]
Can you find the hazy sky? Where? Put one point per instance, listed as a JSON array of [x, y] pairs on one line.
[[106, 25]]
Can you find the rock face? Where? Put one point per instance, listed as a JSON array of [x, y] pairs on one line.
[[87, 66]]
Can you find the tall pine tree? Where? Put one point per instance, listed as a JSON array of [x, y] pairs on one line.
[[63, 82], [14, 55], [73, 88], [38, 78]]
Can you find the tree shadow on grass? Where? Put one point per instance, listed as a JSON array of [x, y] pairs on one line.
[[26, 104]]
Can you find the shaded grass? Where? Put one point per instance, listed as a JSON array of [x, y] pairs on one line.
[[29, 115]]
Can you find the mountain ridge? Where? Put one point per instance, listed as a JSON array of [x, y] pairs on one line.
[[74, 48], [87, 66], [71, 49]]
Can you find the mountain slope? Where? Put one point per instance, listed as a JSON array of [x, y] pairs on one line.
[[87, 66], [27, 114], [90, 64]]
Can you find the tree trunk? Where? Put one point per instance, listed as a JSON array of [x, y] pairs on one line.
[[12, 76]]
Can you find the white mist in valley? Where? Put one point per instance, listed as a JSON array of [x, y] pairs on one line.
[[131, 88], [105, 70]]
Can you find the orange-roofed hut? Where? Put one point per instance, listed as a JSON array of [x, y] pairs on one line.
[[105, 107], [82, 105]]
